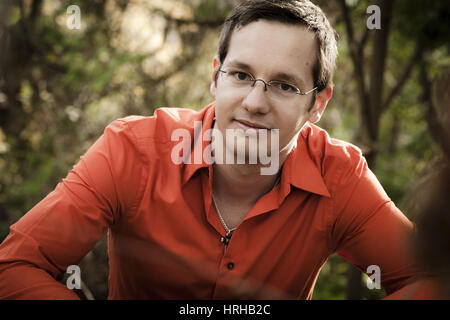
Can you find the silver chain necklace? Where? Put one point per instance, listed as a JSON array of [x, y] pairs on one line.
[[227, 237], [228, 230]]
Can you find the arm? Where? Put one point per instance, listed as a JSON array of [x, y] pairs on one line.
[[61, 229], [368, 229]]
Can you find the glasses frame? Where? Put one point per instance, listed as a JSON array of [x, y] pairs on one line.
[[298, 91]]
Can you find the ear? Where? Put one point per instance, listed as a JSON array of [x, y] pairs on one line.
[[320, 105], [212, 87]]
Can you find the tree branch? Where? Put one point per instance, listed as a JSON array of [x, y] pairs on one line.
[[363, 41], [440, 133], [348, 24], [396, 90], [357, 56], [378, 66], [35, 11]]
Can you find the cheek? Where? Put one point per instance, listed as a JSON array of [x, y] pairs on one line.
[[295, 116], [292, 124], [225, 104], [223, 113]]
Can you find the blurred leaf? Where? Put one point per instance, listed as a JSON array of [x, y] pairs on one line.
[[41, 177]]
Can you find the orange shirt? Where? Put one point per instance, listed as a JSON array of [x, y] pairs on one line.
[[164, 234]]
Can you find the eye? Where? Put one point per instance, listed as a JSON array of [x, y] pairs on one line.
[[241, 76], [284, 87]]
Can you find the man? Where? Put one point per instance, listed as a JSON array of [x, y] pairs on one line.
[[203, 229]]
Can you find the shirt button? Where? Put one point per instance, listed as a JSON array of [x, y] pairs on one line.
[[230, 266]]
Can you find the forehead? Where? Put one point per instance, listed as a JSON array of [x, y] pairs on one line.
[[274, 47]]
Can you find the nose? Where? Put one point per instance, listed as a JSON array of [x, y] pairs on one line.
[[256, 100], [264, 83]]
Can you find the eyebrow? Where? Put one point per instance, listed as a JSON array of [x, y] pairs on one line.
[[279, 75]]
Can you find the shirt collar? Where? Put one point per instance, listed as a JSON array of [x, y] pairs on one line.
[[207, 118], [303, 172]]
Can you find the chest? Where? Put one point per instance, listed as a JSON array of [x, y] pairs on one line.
[[177, 236]]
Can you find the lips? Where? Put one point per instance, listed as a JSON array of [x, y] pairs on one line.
[[250, 125]]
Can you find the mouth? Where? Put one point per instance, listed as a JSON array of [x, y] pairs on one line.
[[250, 125]]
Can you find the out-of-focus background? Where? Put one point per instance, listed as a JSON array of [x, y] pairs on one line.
[[60, 87]]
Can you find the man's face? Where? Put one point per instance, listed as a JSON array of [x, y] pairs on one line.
[[271, 51]]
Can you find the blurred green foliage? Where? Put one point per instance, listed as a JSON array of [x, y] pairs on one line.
[[59, 88]]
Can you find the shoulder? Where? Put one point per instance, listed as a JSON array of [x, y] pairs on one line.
[[150, 137], [334, 157], [158, 127]]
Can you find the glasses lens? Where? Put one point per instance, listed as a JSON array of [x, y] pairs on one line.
[[237, 80], [282, 90]]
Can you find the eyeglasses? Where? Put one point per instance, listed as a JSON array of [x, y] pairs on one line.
[[277, 89]]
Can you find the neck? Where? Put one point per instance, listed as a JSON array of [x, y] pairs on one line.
[[239, 183], [243, 182]]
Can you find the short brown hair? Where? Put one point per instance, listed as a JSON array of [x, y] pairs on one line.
[[300, 12]]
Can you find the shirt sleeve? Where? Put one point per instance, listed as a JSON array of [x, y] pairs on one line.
[[367, 229], [62, 228]]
